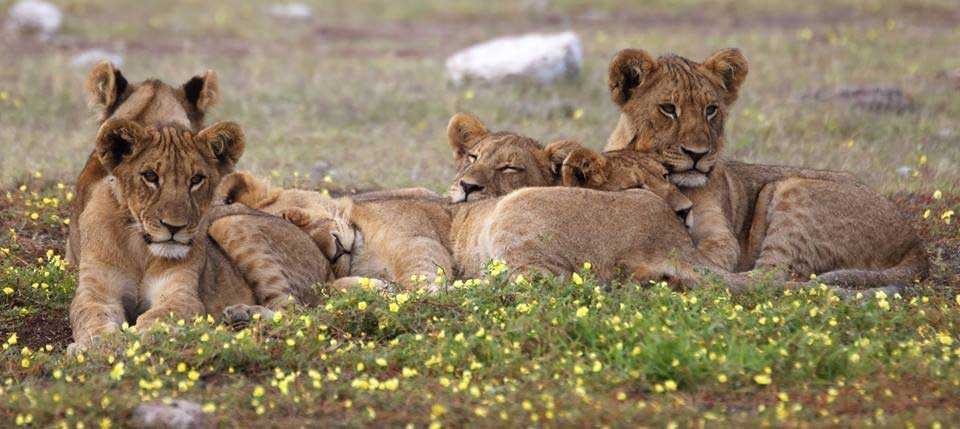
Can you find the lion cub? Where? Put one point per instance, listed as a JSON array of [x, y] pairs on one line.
[[492, 164], [395, 236], [790, 220], [145, 253], [148, 103]]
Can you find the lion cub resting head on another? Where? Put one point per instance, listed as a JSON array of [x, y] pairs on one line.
[[145, 251], [493, 164], [790, 220], [395, 235]]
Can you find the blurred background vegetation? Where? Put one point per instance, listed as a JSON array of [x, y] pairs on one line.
[[357, 90]]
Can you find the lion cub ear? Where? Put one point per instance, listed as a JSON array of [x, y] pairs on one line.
[[583, 168], [463, 132], [203, 90], [558, 151], [226, 141], [629, 69], [236, 187], [118, 139], [731, 66], [105, 85]]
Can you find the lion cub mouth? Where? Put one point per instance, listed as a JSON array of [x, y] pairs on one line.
[[689, 179], [170, 248]]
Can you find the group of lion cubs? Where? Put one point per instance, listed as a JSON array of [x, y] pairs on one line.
[[164, 224]]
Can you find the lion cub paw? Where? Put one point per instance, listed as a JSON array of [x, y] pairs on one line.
[[240, 316], [296, 216]]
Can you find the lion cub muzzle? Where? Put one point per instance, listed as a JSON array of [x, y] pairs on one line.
[[464, 189]]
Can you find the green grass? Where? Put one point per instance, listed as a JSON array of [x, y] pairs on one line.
[[555, 352], [547, 351], [358, 94]]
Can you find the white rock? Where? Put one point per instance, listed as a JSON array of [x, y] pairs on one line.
[[904, 171], [178, 414], [542, 57], [291, 10], [87, 59], [35, 17]]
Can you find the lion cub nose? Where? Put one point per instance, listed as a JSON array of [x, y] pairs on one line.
[[470, 187], [695, 155], [172, 227]]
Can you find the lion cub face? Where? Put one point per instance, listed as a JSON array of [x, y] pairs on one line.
[[494, 164], [325, 220], [616, 171], [166, 176], [675, 108]]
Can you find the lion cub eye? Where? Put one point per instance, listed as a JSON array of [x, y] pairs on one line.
[[711, 111], [196, 180], [668, 109], [472, 158], [150, 176]]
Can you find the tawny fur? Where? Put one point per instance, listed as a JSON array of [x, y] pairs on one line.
[[427, 234], [492, 164], [148, 103], [547, 230], [394, 236], [794, 221], [142, 255], [619, 170], [146, 252]]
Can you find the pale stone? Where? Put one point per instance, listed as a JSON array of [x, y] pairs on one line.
[[34, 17], [541, 57]]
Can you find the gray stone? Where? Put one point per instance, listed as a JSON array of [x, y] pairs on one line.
[[178, 414], [904, 171], [540, 57], [291, 11], [34, 18]]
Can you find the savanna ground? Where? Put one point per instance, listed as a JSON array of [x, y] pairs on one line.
[[355, 97]]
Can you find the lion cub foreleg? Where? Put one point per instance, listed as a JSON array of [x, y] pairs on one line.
[[713, 234], [98, 305], [246, 247], [418, 263], [170, 290]]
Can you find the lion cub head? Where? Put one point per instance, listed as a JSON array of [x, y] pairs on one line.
[[491, 164], [616, 171], [675, 108], [325, 220], [166, 176]]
